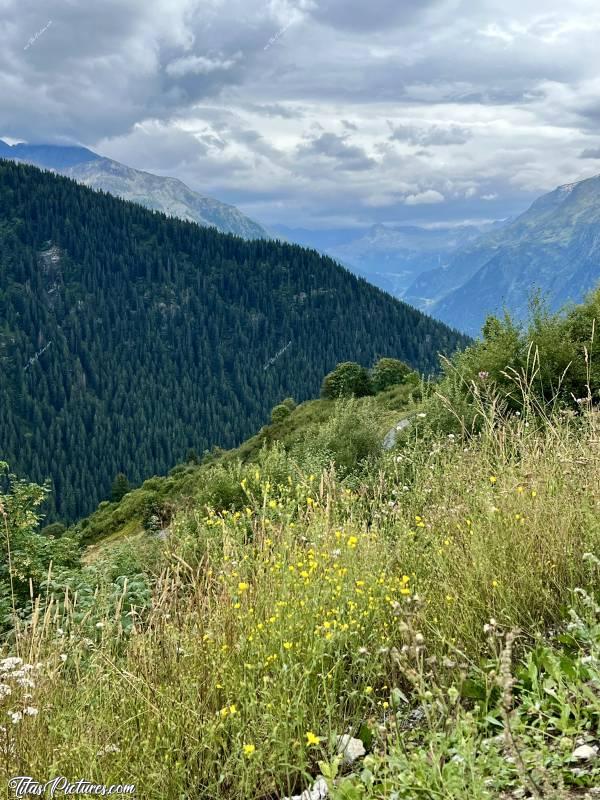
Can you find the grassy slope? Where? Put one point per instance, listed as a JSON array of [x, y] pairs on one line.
[[411, 608], [112, 522]]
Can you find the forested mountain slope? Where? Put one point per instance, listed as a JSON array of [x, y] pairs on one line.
[[127, 337]]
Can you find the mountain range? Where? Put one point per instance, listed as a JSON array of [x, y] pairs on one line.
[[389, 256], [169, 195], [127, 337], [552, 249]]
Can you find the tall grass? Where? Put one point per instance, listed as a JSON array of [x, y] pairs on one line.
[[276, 627]]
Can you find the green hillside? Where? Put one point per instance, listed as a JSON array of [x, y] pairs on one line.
[[127, 338]]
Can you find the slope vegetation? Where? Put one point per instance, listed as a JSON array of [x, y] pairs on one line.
[[127, 337]]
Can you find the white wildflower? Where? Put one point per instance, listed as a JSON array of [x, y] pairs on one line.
[[10, 663]]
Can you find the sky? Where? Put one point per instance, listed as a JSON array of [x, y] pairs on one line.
[[318, 113]]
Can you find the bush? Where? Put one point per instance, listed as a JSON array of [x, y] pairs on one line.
[[54, 530], [389, 372], [350, 438], [222, 489], [279, 413], [346, 380]]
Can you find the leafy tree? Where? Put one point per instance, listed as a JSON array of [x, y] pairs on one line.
[[348, 379], [25, 553], [389, 372], [120, 487], [289, 402]]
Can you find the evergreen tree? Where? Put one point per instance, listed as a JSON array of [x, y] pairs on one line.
[[120, 487]]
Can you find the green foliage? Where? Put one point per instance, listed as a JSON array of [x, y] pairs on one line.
[[120, 487], [547, 364], [192, 456], [351, 439], [55, 530], [221, 489], [346, 380], [26, 553], [126, 335], [389, 372], [279, 413]]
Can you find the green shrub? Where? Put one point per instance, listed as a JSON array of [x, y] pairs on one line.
[[350, 438], [346, 380], [279, 413], [222, 489], [389, 372]]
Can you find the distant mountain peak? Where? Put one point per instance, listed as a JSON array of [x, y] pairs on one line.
[[158, 193]]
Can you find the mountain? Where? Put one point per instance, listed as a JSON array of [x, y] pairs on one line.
[[392, 256], [389, 256], [168, 195], [127, 337], [552, 248]]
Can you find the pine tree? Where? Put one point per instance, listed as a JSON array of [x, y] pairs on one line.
[[120, 487]]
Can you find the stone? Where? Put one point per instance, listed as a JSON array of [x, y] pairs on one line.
[[350, 749], [318, 791], [585, 753]]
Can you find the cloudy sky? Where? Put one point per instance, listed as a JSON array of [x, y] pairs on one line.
[[318, 113]]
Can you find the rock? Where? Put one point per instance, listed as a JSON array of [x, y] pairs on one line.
[[318, 791], [392, 435], [585, 753], [350, 749]]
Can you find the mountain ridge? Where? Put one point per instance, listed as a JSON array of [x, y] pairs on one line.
[[169, 195], [552, 248]]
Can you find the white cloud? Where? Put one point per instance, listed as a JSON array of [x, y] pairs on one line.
[[431, 196], [199, 65]]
